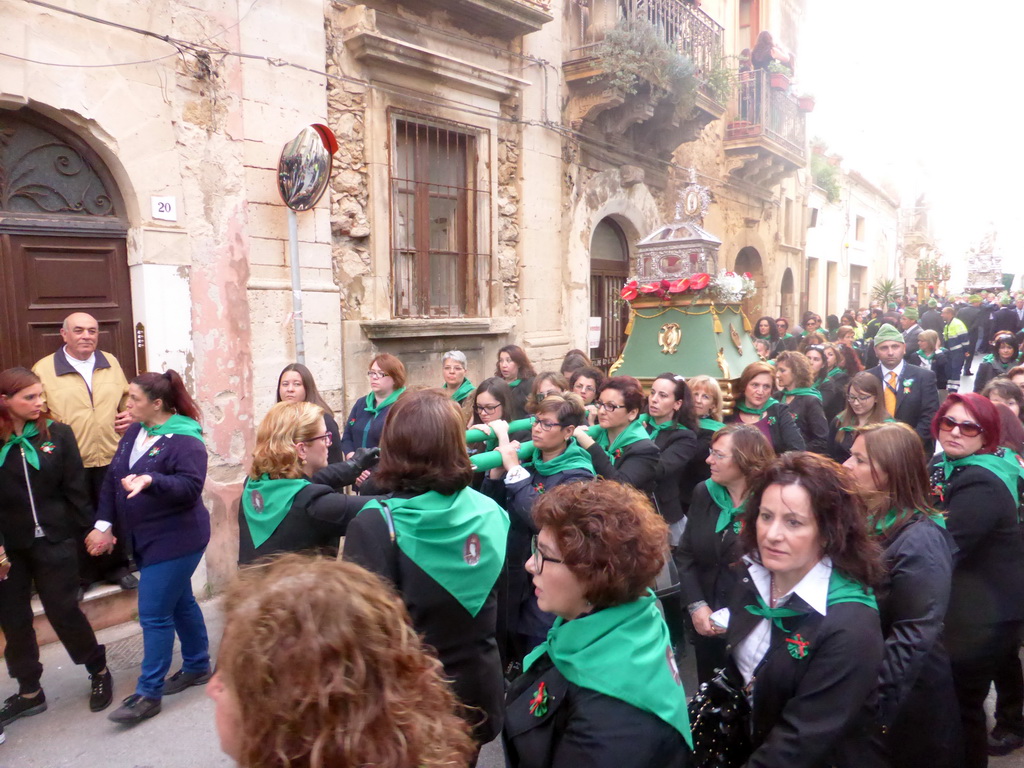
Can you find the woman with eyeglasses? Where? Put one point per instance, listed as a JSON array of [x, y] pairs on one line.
[[708, 546], [545, 384], [621, 449], [1002, 391], [492, 403], [291, 500], [865, 405], [556, 459], [603, 689], [755, 405], [296, 385], [366, 419], [787, 341], [585, 383], [515, 368], [442, 545], [917, 706], [977, 487], [932, 357], [999, 362], [453, 369], [795, 378]]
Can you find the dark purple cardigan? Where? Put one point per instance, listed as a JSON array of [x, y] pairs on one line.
[[168, 519]]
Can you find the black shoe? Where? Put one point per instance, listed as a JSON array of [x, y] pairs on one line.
[[102, 691], [181, 680], [1002, 742], [21, 706], [128, 581], [134, 709]]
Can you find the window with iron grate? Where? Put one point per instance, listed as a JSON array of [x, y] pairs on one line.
[[440, 219]]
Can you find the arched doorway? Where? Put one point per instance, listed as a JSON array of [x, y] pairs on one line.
[[749, 260], [62, 242], [609, 268], [788, 307]]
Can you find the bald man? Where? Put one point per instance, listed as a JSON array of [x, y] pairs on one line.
[[86, 389]]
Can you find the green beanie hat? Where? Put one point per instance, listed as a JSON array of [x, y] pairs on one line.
[[888, 333], [892, 305], [910, 313], [975, 299], [1006, 301], [932, 303]]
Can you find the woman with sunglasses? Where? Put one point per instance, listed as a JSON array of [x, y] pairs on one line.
[[999, 362], [794, 375], [917, 706], [620, 448], [977, 488], [755, 405], [707, 549], [865, 405], [291, 500], [603, 689], [366, 419], [556, 459], [787, 341]]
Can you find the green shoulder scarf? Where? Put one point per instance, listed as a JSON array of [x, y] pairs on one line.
[[373, 408], [758, 411], [623, 652], [514, 383], [633, 433], [177, 425], [711, 424], [885, 522], [462, 392], [27, 433], [840, 590], [800, 391], [727, 513], [1004, 467], [458, 540], [573, 457], [656, 429], [266, 502], [832, 373]]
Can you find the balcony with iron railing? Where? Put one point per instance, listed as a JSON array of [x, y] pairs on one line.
[[765, 138], [685, 29]]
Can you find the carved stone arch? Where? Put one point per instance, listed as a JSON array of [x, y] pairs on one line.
[[63, 241]]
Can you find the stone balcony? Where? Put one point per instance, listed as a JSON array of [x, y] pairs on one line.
[[765, 139], [500, 18]]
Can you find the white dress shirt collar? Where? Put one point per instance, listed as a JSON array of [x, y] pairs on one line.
[[898, 370], [812, 588]]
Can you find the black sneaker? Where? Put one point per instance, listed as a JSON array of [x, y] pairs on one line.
[[21, 706], [102, 691], [181, 680], [134, 709]]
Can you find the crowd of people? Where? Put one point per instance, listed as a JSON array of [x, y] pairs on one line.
[[836, 535]]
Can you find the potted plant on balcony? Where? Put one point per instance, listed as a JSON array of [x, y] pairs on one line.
[[779, 75], [805, 102]]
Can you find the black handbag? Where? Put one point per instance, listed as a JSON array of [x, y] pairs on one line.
[[720, 724]]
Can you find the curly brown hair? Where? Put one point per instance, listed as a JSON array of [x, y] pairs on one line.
[[838, 511], [328, 671], [799, 365], [609, 535]]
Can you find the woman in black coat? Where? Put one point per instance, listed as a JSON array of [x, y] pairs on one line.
[[515, 368], [619, 445], [672, 424], [756, 406], [708, 546], [931, 356], [442, 545], [603, 690], [1000, 361], [803, 621], [707, 407], [830, 378], [296, 385], [46, 507], [291, 501], [917, 706], [555, 459], [795, 379], [976, 486]]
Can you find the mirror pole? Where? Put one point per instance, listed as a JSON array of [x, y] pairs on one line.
[[293, 247]]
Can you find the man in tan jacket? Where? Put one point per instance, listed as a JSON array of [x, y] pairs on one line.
[[86, 389]]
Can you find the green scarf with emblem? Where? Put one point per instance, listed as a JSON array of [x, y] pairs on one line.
[[373, 408], [757, 411], [573, 457], [29, 431], [1004, 467], [460, 394], [840, 590], [266, 502], [727, 513], [633, 433], [458, 540], [623, 652], [655, 429], [800, 391], [177, 425], [712, 425]]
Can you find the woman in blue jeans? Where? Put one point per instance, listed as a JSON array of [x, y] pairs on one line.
[[154, 488]]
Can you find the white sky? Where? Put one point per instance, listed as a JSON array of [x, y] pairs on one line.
[[928, 94]]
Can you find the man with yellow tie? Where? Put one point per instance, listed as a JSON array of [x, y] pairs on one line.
[[911, 394]]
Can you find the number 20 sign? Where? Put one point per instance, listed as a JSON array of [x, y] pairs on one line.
[[165, 208]]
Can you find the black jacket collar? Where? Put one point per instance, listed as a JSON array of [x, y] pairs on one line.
[[62, 367]]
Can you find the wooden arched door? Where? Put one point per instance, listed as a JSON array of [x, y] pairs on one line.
[[609, 268], [62, 242]]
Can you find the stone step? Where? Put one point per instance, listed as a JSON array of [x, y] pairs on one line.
[[105, 605]]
